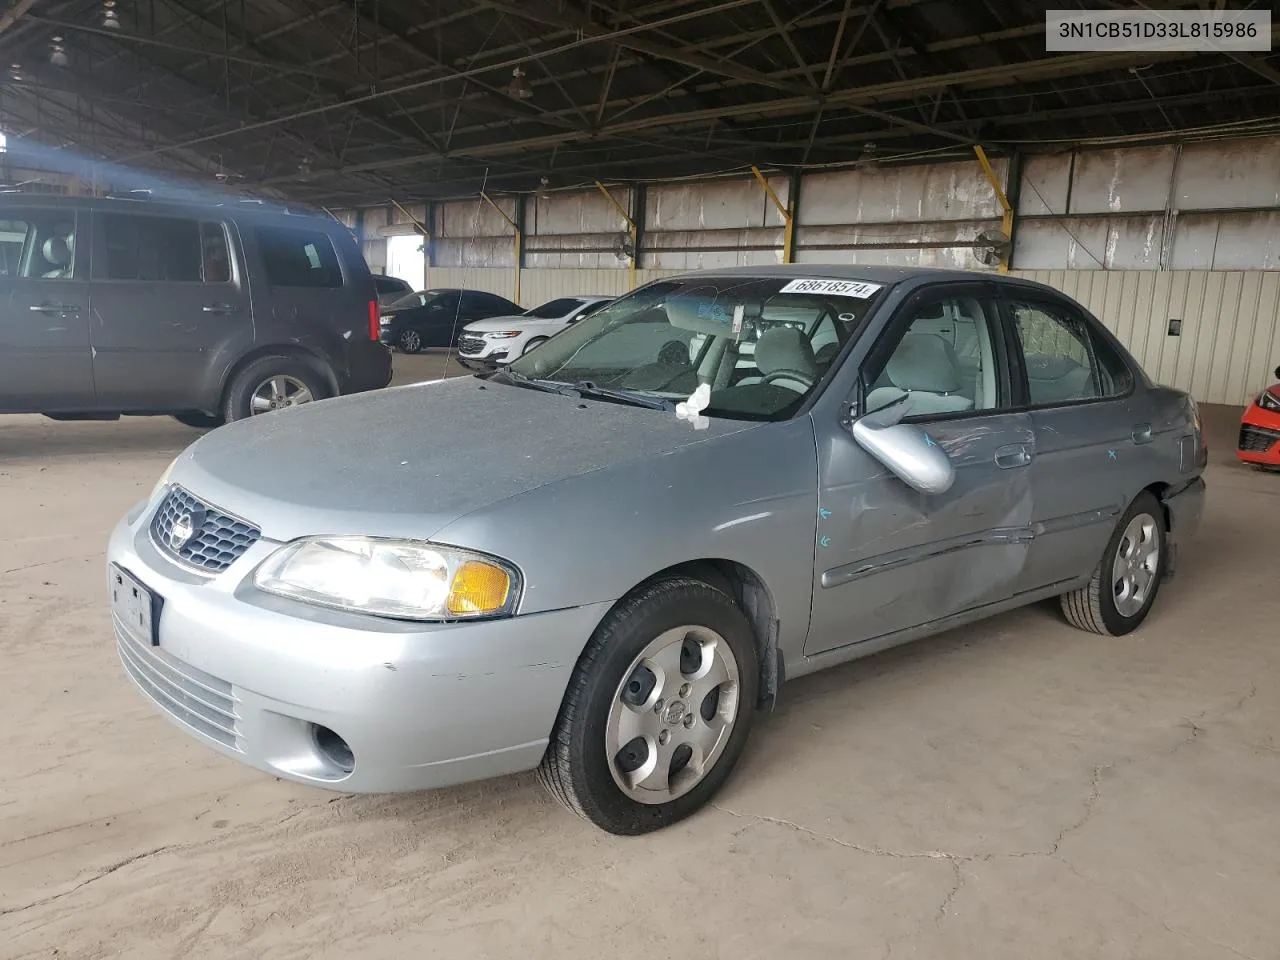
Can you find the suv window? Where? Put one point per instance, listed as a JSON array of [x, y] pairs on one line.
[[154, 249], [1064, 360], [39, 246], [943, 359], [390, 285], [299, 258]]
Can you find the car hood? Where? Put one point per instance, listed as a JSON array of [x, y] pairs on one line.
[[407, 461], [518, 321]]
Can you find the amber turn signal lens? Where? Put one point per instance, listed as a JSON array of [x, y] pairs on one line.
[[478, 588]]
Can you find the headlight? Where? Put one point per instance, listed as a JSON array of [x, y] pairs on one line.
[[403, 579], [163, 481], [1269, 401], [504, 334]]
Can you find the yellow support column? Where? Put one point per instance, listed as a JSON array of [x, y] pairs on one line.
[[631, 231], [788, 217], [1006, 221]]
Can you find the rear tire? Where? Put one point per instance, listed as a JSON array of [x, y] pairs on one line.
[[200, 421], [409, 341], [301, 381], [672, 670], [1124, 584]]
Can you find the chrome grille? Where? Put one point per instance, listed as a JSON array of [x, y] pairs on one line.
[[1257, 439], [470, 345], [218, 539], [192, 697]]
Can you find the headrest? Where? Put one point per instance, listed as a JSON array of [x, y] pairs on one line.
[[57, 251], [924, 361], [785, 350]]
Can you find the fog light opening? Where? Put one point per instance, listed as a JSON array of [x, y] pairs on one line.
[[333, 748]]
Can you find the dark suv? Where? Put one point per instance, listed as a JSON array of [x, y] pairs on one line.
[[207, 311]]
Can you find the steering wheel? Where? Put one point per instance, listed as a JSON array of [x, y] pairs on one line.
[[794, 376]]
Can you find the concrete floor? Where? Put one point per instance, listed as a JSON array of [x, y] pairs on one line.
[[1014, 790]]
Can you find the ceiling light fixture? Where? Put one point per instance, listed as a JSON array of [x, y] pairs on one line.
[[57, 52], [518, 88], [110, 18]]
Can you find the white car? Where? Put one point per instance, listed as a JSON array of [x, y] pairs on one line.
[[486, 344]]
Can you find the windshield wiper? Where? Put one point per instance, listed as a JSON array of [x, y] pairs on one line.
[[585, 388]]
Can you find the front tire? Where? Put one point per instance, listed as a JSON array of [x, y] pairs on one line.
[[658, 709], [1125, 583], [273, 383]]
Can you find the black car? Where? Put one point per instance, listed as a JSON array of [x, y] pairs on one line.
[[208, 310], [435, 318]]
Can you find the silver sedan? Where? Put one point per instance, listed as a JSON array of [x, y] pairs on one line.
[[602, 561]]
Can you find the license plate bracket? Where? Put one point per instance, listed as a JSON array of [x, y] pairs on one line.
[[136, 607]]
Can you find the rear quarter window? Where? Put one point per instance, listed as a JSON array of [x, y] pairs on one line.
[[294, 257]]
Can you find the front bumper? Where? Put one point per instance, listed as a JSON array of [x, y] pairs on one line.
[[1259, 441], [420, 705]]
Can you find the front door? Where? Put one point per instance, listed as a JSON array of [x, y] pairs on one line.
[[45, 359], [1090, 434], [170, 307], [890, 558]]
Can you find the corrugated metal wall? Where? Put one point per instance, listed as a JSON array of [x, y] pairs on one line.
[[1140, 234], [1229, 344]]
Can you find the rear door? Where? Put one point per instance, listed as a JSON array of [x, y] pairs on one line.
[[1089, 428], [45, 356], [890, 558], [170, 309]]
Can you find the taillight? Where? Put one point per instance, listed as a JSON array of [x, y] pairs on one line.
[[373, 320]]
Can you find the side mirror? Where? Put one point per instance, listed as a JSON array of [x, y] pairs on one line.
[[906, 450], [1278, 373]]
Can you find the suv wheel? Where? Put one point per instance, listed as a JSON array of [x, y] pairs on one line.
[[657, 711], [272, 383]]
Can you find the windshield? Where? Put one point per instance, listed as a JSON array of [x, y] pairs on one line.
[[411, 300], [761, 345], [554, 309]]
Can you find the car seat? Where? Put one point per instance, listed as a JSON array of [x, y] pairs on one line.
[[785, 358], [925, 368], [1057, 379], [57, 252]]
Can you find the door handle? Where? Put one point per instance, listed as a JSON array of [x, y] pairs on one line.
[[1014, 455], [217, 308], [1142, 433], [66, 309]]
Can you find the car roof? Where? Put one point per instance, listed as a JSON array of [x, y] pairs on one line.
[[235, 206], [873, 274]]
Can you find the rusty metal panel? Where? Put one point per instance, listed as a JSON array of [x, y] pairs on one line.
[[1244, 241], [894, 237], [585, 212], [1045, 184], [1089, 243], [713, 205], [923, 193], [474, 218], [706, 249], [1241, 173], [1122, 180]]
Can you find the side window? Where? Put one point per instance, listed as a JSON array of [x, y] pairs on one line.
[[217, 255], [588, 310], [1064, 361], [299, 258], [39, 246], [942, 361], [151, 249]]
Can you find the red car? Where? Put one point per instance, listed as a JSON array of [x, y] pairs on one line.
[[1260, 429]]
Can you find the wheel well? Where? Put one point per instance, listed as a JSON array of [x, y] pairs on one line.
[[293, 351], [1159, 490], [748, 590]]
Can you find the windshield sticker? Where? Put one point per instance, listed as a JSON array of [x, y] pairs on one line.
[[844, 288], [738, 313]]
